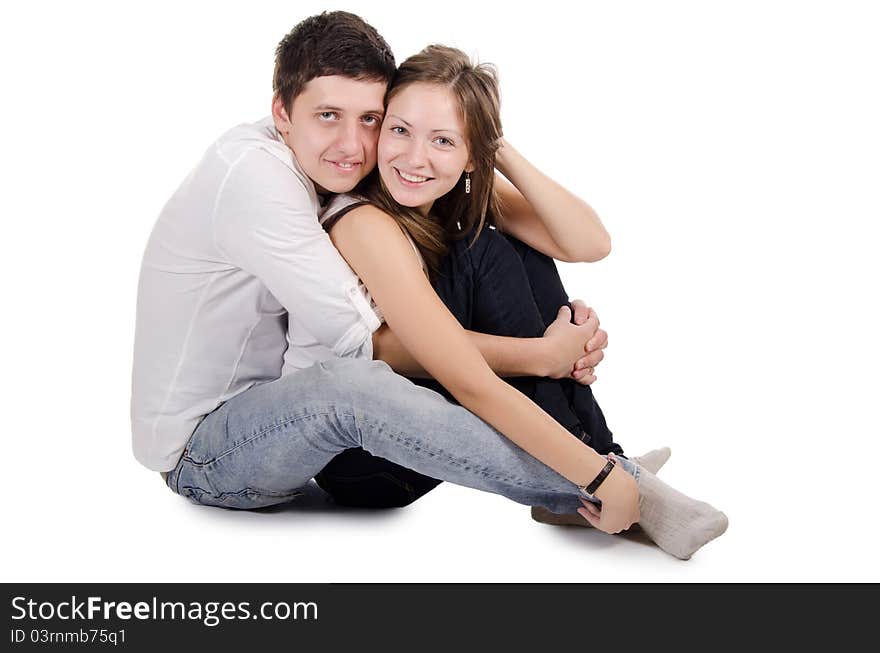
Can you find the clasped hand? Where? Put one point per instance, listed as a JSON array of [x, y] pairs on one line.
[[574, 346]]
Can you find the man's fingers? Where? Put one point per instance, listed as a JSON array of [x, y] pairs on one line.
[[590, 360], [598, 341], [564, 313], [581, 311], [592, 324], [583, 378]]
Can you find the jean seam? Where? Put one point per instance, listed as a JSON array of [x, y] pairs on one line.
[[186, 460], [248, 490], [220, 496], [262, 433], [418, 445], [206, 466]]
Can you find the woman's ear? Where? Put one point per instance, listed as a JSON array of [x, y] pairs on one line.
[[470, 167]]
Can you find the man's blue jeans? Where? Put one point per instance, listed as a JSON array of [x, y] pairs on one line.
[[260, 447]]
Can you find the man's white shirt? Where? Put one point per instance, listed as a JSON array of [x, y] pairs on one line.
[[236, 259]]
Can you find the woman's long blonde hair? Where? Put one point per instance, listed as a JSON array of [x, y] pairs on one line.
[[456, 214]]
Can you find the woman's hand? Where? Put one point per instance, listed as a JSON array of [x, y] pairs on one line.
[[541, 213], [501, 156], [380, 254], [619, 494]]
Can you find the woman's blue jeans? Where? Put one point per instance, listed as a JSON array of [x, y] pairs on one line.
[[498, 286]]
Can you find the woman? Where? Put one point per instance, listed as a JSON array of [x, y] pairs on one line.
[[437, 185], [502, 287]]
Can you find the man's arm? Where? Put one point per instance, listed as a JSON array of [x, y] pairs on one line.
[[546, 356], [265, 222], [506, 356]]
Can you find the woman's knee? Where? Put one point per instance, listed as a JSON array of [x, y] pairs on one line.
[[356, 478], [491, 250]]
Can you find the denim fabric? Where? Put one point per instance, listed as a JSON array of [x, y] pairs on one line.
[[260, 447], [500, 286]]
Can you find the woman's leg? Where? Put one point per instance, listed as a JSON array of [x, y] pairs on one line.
[[467, 285], [360, 479], [549, 294], [496, 286], [506, 288]]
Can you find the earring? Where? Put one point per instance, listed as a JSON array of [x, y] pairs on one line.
[[467, 183]]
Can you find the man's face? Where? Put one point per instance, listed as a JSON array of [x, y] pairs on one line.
[[333, 128]]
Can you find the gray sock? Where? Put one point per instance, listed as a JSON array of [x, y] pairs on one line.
[[675, 522], [652, 461]]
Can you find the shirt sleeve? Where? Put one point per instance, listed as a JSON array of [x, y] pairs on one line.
[[265, 223]]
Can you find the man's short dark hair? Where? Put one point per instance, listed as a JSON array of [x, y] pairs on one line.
[[331, 43]]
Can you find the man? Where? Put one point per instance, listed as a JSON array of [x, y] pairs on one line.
[[238, 258]]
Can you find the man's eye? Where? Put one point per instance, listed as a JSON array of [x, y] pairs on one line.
[[327, 115], [371, 120]]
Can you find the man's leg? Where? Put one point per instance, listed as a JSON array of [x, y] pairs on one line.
[[260, 447]]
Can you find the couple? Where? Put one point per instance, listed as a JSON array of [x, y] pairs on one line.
[[257, 329]]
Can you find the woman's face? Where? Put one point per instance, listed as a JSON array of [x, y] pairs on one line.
[[422, 148]]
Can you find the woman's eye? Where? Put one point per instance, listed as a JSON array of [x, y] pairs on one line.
[[442, 140], [398, 130]]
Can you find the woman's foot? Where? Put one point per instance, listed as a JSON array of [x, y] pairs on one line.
[[652, 461], [674, 521]]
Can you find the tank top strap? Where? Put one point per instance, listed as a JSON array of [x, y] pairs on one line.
[[342, 204], [338, 207]]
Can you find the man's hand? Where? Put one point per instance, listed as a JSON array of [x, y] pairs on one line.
[[564, 342], [584, 368]]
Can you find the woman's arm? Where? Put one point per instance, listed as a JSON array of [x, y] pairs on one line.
[[380, 254], [538, 211]]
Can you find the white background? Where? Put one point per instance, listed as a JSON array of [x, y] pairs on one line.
[[732, 152]]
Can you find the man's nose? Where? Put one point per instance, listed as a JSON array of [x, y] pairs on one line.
[[347, 141]]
